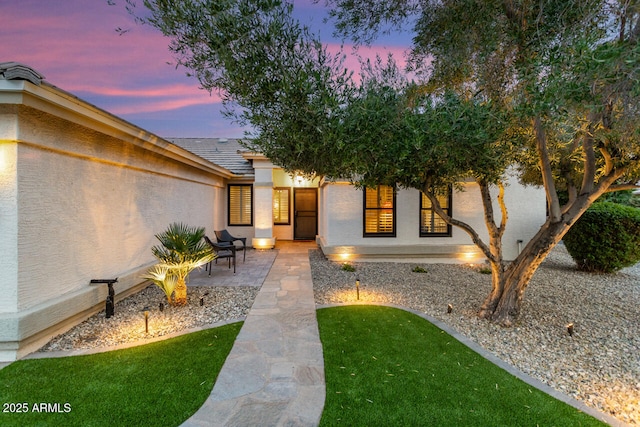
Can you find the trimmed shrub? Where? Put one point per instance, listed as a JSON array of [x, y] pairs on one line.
[[625, 197], [606, 238]]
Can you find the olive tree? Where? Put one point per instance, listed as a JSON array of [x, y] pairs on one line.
[[566, 73], [547, 87]]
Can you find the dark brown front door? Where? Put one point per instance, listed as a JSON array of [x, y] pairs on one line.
[[305, 219]]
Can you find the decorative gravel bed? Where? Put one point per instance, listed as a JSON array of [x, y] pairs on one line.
[[219, 303], [599, 364]]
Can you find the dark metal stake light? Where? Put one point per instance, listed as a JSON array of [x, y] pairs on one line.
[[357, 289], [110, 302], [449, 308]]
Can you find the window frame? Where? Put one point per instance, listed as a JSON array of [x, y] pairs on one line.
[[242, 224], [288, 190], [448, 210], [365, 209]]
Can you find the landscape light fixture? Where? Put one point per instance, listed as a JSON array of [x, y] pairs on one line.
[[146, 319], [357, 289], [570, 329], [449, 308], [110, 302]]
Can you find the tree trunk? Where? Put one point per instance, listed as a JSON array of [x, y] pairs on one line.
[[503, 304], [180, 296]]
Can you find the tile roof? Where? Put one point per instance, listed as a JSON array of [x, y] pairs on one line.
[[221, 151], [17, 71]]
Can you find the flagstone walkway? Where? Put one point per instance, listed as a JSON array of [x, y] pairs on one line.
[[274, 375]]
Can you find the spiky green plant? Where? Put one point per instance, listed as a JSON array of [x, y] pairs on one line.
[[160, 275], [182, 250]]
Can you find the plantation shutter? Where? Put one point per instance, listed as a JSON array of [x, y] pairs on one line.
[[379, 216], [281, 206], [240, 204]]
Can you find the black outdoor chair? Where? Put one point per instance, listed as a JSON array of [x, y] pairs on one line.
[[223, 236], [222, 250]]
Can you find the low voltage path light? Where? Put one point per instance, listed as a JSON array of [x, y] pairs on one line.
[[146, 319], [357, 289], [570, 329]]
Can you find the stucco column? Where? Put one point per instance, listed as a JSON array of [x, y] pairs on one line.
[[263, 204]]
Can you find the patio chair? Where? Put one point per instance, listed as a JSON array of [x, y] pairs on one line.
[[222, 250], [223, 236]]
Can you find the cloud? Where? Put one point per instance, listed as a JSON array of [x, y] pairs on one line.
[[76, 46], [74, 43]]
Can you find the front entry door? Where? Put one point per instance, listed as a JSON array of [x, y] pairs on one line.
[[305, 219]]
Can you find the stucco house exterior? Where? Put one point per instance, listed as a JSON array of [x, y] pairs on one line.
[[83, 192], [355, 224]]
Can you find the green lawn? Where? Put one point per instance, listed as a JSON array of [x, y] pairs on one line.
[[158, 384], [388, 367], [383, 367]]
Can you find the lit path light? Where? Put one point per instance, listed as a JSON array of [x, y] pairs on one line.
[[146, 320], [363, 296]]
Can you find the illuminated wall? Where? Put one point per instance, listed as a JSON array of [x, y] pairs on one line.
[[341, 225], [82, 194]]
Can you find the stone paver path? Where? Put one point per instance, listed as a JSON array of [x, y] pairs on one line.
[[274, 375]]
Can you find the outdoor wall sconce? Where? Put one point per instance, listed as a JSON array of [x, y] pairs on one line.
[[146, 319], [110, 302], [357, 289]]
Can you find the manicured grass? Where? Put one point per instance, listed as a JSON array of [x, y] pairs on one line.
[[388, 367], [159, 384]]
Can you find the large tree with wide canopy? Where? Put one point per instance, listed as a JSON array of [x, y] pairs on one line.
[[547, 89]]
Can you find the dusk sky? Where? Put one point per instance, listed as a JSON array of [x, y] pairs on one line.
[[74, 44]]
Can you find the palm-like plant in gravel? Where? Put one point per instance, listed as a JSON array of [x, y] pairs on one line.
[[181, 251]]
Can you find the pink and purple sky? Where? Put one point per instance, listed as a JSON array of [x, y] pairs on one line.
[[75, 45]]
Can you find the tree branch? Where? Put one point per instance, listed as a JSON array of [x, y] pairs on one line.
[[547, 174], [503, 209], [622, 187], [635, 32], [460, 224], [607, 183], [512, 13], [589, 161], [608, 160], [489, 217]]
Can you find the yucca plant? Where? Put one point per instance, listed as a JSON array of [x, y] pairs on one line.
[[182, 250]]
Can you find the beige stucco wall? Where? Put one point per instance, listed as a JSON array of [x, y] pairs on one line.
[[341, 227], [8, 213], [83, 194]]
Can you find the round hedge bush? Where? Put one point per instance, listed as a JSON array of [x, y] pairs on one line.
[[606, 238]]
